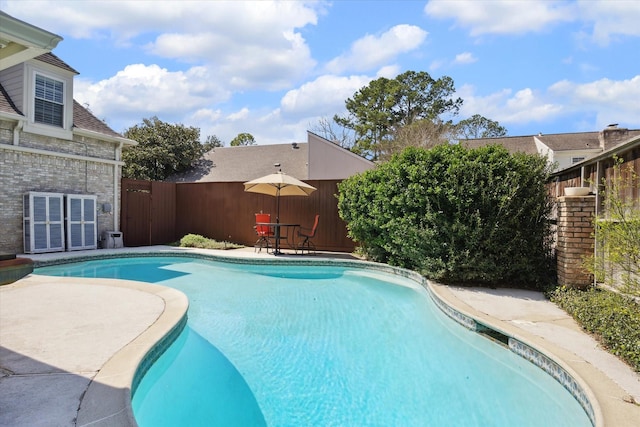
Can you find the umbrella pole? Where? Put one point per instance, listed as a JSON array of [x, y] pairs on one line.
[[277, 252]]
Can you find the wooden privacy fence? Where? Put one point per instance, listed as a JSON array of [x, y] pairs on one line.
[[161, 212], [598, 173]]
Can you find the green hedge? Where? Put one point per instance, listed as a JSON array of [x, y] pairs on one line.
[[456, 215], [612, 317]]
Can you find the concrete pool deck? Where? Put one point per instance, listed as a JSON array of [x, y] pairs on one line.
[[67, 352]]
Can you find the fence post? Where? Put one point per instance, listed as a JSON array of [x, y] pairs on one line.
[[575, 239]]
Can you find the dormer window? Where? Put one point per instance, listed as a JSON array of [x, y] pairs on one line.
[[49, 101]]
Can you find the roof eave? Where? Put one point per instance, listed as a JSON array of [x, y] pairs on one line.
[[104, 137], [20, 32], [12, 116], [627, 145]]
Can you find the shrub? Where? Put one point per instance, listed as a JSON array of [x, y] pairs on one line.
[[197, 241], [612, 317], [456, 215]]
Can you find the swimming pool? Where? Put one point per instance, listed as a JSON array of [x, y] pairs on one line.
[[284, 345]]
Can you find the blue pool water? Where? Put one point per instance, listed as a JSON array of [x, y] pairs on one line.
[[325, 346]]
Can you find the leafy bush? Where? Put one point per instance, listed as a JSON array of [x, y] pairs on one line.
[[612, 317], [456, 215], [197, 241]]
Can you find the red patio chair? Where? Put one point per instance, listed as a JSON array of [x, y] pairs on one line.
[[307, 234], [264, 232]]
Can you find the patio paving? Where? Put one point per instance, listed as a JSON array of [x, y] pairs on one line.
[[67, 350]]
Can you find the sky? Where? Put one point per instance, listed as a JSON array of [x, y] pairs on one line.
[[276, 69]]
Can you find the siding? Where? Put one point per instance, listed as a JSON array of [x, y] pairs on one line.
[[12, 79]]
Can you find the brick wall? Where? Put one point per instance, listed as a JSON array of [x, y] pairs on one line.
[[575, 239], [22, 172]]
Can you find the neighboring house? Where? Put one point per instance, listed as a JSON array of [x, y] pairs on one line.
[[316, 159], [562, 149], [51, 148]]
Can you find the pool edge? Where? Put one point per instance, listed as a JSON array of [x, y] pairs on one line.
[[163, 333], [522, 344], [107, 400]]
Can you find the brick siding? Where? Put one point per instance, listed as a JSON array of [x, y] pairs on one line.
[[575, 239], [21, 172]]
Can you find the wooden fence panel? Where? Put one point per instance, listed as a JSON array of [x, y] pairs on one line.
[[162, 219], [135, 216], [600, 173], [224, 211], [159, 212]]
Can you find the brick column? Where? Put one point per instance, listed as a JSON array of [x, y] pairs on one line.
[[575, 239]]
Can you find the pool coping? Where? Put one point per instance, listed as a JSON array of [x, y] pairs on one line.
[[524, 346], [107, 400], [123, 371]]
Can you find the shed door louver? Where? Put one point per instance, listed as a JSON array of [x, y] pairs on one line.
[[43, 222], [81, 222]]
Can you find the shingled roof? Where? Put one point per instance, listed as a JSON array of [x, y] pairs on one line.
[[570, 141], [244, 163], [556, 142], [84, 119], [6, 104], [51, 59]]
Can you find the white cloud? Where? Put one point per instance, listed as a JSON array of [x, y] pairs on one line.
[[239, 115], [143, 91], [525, 106], [374, 51], [245, 44], [465, 58], [501, 17], [611, 18], [127, 19], [206, 114], [607, 18], [263, 62], [325, 96], [389, 72], [610, 100]]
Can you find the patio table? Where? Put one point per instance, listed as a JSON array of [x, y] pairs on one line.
[[277, 226]]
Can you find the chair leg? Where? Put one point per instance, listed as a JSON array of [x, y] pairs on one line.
[[306, 243], [262, 242]]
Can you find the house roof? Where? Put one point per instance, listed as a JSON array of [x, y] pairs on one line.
[[244, 163], [556, 142], [51, 59], [84, 119], [22, 41], [6, 104], [570, 141]]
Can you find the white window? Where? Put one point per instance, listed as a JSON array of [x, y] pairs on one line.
[[575, 160], [49, 101]]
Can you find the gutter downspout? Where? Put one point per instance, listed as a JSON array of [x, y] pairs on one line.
[[116, 190], [16, 132]]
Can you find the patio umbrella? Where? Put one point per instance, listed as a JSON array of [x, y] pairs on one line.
[[278, 184]]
